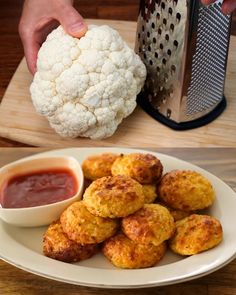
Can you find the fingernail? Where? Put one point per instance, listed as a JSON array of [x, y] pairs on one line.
[[78, 27]]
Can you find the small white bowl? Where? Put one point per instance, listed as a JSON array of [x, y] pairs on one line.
[[44, 214]]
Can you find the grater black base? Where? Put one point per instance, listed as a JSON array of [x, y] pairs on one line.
[[206, 119]]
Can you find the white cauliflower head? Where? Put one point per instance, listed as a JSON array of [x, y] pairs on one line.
[[85, 87]]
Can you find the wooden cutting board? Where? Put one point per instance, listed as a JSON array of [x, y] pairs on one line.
[[20, 122]]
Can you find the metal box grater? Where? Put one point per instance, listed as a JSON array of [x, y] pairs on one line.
[[184, 46]]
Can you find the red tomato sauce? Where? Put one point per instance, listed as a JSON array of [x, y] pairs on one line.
[[39, 188]]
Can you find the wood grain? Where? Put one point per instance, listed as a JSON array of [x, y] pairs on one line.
[[20, 122], [11, 51], [219, 161]]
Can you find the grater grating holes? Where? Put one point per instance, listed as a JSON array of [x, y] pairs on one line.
[[176, 43], [178, 17], [208, 67], [172, 27], [173, 69], [159, 60], [168, 113], [163, 6]]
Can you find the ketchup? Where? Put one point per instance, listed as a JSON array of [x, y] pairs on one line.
[[39, 188]]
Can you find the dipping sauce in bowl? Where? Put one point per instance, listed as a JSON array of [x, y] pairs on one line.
[[38, 188], [35, 191]]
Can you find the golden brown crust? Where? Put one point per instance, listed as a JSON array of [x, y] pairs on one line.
[[114, 196], [195, 234], [153, 224], [98, 166], [145, 168], [125, 253], [177, 214], [57, 245], [150, 193], [84, 228], [186, 190]]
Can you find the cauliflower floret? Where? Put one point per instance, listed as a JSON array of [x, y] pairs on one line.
[[85, 87]]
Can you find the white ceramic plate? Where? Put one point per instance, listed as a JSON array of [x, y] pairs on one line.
[[22, 247]]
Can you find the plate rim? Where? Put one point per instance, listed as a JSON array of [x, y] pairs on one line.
[[105, 286]]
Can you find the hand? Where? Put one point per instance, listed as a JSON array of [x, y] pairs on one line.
[[39, 18], [228, 6]]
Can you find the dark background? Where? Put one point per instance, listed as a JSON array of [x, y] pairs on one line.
[[11, 50]]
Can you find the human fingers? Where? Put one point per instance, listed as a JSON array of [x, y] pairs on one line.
[[228, 6], [207, 2], [32, 38], [30, 44], [31, 48], [72, 22]]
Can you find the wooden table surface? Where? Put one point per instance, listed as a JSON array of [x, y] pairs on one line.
[[19, 120], [219, 161], [11, 51]]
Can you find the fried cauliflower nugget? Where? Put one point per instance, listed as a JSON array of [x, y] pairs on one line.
[[57, 245], [186, 190], [153, 224], [98, 166], [84, 228], [145, 168], [114, 196], [125, 253], [195, 234], [177, 214], [150, 193]]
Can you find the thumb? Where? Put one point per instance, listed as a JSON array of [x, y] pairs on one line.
[[72, 22]]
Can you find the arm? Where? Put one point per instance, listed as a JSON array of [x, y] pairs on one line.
[[39, 18]]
